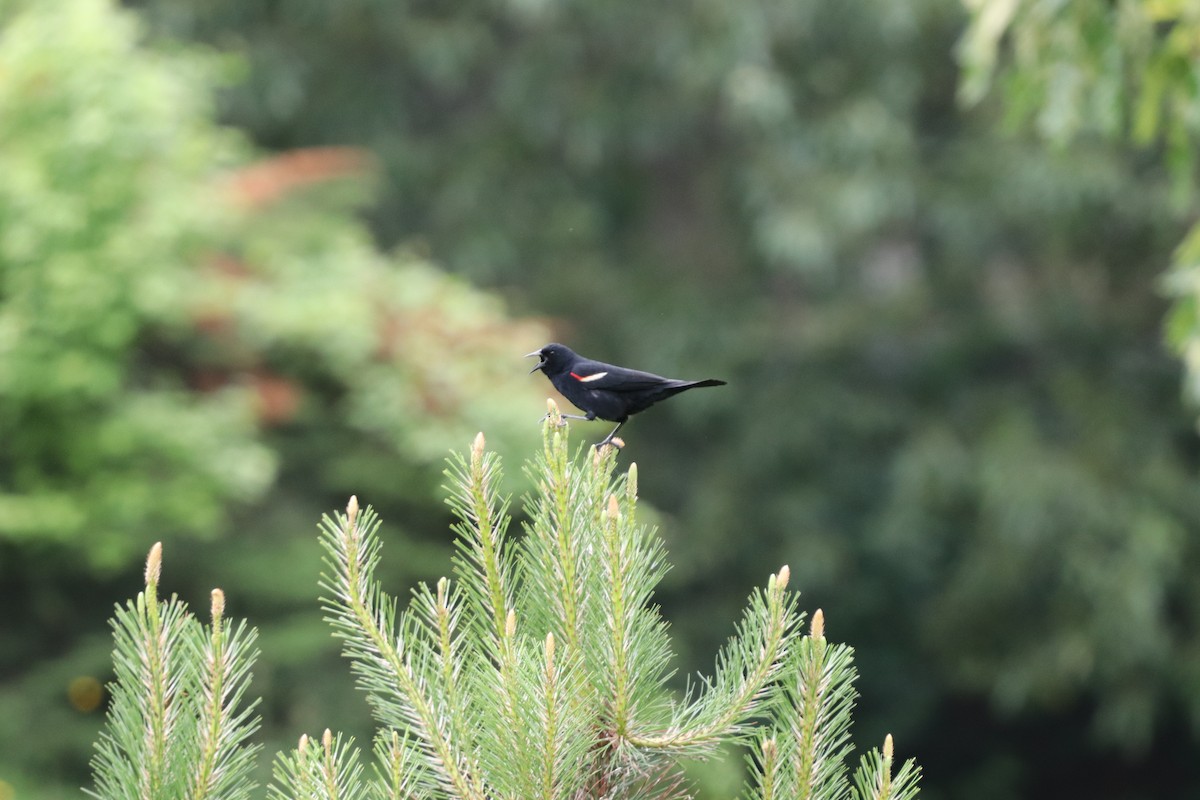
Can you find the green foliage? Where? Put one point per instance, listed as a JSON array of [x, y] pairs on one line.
[[1124, 69], [192, 338], [806, 758], [539, 672], [873, 780], [592, 150], [108, 204], [163, 303], [544, 675], [333, 771], [179, 724]]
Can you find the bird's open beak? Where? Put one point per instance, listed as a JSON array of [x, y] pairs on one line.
[[541, 362]]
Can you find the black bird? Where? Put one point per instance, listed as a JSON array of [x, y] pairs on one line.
[[606, 391]]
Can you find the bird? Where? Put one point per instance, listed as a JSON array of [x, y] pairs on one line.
[[606, 391]]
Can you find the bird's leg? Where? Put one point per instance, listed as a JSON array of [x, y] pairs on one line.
[[609, 439]]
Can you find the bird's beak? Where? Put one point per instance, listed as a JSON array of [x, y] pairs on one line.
[[541, 363]]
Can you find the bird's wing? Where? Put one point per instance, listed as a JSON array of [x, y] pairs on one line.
[[598, 375]]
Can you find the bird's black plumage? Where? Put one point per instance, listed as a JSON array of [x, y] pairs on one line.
[[606, 391]]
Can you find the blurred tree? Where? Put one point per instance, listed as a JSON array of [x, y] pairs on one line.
[[187, 339], [1119, 70]]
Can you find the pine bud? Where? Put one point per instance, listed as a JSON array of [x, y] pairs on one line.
[[631, 481], [818, 624], [218, 605], [887, 748], [785, 573], [154, 564], [614, 510], [769, 750], [352, 510], [477, 449], [303, 743], [549, 651], [327, 740], [618, 442], [551, 407], [510, 624]]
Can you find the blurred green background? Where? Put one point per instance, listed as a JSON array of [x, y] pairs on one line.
[[258, 255]]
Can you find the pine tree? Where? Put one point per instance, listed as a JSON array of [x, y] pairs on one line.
[[540, 670]]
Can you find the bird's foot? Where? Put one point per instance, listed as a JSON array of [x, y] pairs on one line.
[[562, 419], [612, 441]]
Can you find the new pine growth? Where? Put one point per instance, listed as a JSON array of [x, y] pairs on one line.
[[540, 670]]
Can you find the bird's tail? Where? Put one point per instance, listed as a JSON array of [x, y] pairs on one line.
[[683, 386]]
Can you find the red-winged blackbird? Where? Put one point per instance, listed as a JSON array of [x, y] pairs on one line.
[[606, 391]]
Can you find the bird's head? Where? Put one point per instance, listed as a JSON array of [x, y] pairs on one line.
[[552, 359]]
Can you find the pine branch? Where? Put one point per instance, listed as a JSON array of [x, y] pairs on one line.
[[632, 565], [451, 660], [746, 666], [132, 756], [769, 777], [225, 723], [549, 712], [508, 733], [161, 630], [329, 771], [177, 725], [804, 755], [483, 563], [341, 772], [816, 714], [554, 567], [393, 668], [873, 780], [401, 773], [620, 620], [563, 721]]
